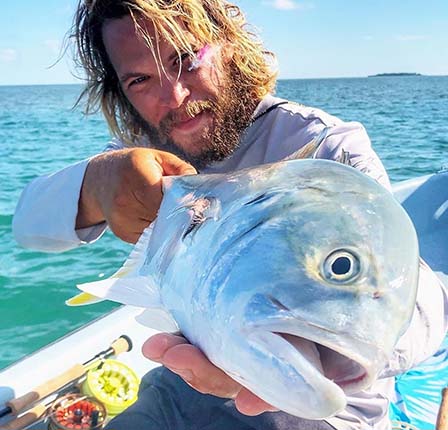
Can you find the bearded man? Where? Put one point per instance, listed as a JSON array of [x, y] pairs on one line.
[[186, 87]]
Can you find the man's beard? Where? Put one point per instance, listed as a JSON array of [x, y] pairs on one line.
[[232, 112]]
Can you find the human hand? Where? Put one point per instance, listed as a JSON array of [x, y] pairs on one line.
[[124, 188], [187, 361]]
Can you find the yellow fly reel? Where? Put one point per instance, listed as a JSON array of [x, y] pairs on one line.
[[114, 384]]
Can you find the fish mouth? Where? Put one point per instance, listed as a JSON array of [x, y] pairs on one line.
[[348, 371], [326, 355]]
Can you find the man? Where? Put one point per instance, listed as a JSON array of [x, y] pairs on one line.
[[184, 80]]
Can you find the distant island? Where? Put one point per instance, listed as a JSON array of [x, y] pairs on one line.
[[394, 74]]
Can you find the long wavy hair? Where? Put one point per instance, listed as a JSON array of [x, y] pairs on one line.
[[209, 21]]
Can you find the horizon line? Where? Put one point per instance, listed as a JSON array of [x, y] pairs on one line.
[[392, 74]]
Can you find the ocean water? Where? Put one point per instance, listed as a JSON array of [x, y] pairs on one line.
[[406, 117]]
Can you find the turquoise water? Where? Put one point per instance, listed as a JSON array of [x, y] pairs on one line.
[[406, 117]]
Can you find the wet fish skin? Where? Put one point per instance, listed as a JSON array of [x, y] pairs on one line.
[[288, 276]]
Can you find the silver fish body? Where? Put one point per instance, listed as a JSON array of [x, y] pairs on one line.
[[295, 278]]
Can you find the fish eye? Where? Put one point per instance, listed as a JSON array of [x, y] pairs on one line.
[[341, 266]]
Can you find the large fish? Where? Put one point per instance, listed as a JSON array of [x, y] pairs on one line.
[[296, 278]]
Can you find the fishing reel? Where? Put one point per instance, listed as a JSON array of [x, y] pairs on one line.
[[114, 384], [76, 411], [107, 390]]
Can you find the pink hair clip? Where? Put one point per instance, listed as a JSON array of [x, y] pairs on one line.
[[199, 58]]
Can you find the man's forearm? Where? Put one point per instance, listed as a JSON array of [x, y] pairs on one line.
[[45, 216]]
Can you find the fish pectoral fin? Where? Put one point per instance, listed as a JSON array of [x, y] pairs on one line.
[[136, 291], [83, 299], [158, 319]]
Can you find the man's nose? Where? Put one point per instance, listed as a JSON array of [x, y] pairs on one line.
[[173, 92]]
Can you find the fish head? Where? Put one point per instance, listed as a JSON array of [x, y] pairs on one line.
[[312, 266]]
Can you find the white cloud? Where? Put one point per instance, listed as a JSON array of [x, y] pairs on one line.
[[288, 5], [284, 4], [8, 55], [368, 37], [410, 37]]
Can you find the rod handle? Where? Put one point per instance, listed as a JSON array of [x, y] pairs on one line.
[[46, 388], [122, 344], [442, 416], [26, 419]]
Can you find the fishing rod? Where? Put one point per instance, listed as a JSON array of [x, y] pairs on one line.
[[31, 416], [15, 406]]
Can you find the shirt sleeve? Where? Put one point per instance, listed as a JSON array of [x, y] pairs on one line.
[[45, 216], [352, 138]]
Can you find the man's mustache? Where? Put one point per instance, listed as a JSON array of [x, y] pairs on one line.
[[190, 110]]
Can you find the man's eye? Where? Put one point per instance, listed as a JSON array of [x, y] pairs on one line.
[[182, 59], [138, 80]]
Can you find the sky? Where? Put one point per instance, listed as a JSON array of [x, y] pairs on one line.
[[312, 38]]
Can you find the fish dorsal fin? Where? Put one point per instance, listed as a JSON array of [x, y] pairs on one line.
[[344, 158], [310, 149]]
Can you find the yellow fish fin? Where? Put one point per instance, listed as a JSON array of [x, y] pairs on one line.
[[83, 299]]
